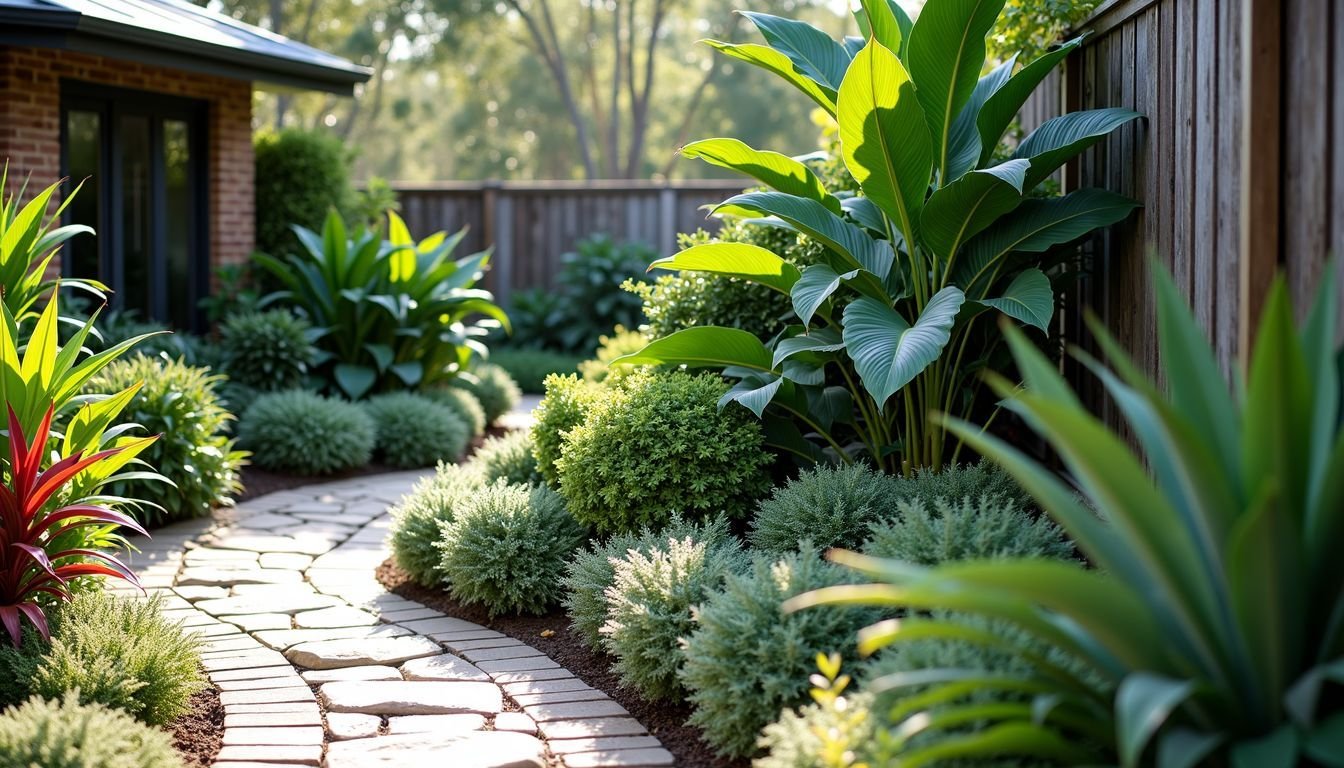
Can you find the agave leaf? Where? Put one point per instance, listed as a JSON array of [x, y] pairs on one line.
[[1142, 705]]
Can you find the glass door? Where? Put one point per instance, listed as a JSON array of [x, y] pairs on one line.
[[141, 159]]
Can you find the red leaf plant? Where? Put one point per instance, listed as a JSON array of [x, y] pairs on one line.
[[28, 567]]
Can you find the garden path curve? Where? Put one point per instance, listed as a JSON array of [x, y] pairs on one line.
[[319, 665]]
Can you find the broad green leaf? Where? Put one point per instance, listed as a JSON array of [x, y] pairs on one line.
[[1006, 739], [382, 355], [815, 220], [883, 26], [1325, 742], [781, 172], [1028, 299], [1142, 705], [820, 340], [410, 372], [958, 211], [354, 380], [862, 210], [903, 25], [947, 53], [1059, 139], [816, 285], [703, 346], [1277, 750], [889, 352], [1001, 107], [749, 262], [773, 61], [883, 136], [1036, 226], [965, 153], [397, 233], [811, 50], [754, 392]]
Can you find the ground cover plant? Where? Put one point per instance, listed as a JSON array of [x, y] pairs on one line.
[[1210, 632], [895, 319]]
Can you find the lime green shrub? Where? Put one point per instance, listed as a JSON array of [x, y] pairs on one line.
[[178, 403], [747, 659], [68, 734], [621, 341], [507, 547], [809, 736], [416, 521], [491, 385], [530, 367], [826, 506], [564, 407], [657, 444], [300, 175], [414, 431], [509, 458], [267, 351], [463, 403], [123, 654], [305, 433]]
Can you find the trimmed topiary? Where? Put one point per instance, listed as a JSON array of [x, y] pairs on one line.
[[414, 431], [492, 386], [463, 403], [827, 506], [68, 734], [649, 605], [659, 443], [120, 653], [506, 548], [929, 533], [530, 367], [302, 432], [962, 481], [300, 175], [509, 458], [564, 407], [267, 351], [177, 403], [416, 521], [747, 659]]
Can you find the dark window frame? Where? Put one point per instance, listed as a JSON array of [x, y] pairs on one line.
[[111, 104]]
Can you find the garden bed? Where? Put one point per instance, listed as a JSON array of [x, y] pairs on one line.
[[199, 734], [551, 635]]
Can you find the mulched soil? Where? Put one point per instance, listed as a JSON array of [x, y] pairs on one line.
[[198, 734], [666, 721]]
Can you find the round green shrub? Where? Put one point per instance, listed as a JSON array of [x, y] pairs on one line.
[[178, 403], [506, 548], [300, 175], [592, 570], [564, 407], [414, 431], [747, 659], [267, 351], [491, 385], [122, 654], [530, 367], [302, 432], [826, 506], [803, 737], [658, 444], [68, 734], [509, 458], [463, 403], [415, 533], [929, 533], [962, 481], [650, 600]]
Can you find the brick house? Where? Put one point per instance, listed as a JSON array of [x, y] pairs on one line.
[[149, 102]]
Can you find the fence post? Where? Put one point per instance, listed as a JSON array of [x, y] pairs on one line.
[[667, 220], [503, 220]]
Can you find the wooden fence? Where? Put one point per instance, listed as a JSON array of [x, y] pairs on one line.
[[531, 224], [1238, 162]]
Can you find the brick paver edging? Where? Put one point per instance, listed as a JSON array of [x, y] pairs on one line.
[[319, 665]]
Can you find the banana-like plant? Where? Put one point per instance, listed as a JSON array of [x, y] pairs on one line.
[[1212, 630], [944, 232], [28, 243], [388, 314]]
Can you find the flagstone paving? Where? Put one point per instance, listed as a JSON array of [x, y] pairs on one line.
[[318, 665]]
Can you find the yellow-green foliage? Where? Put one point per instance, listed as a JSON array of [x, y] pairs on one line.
[[619, 342], [563, 408], [659, 444], [67, 734]]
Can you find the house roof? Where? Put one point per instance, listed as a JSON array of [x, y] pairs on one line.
[[178, 34]]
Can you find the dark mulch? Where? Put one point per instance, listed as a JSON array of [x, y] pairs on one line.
[[198, 734], [666, 721]]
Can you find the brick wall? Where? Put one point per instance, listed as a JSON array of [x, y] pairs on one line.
[[30, 110]]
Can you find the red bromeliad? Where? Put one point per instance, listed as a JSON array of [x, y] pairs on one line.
[[27, 566]]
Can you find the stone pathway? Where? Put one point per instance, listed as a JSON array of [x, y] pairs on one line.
[[319, 665]]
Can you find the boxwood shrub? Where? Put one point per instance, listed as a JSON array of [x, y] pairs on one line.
[[267, 351], [564, 407], [307, 434], [414, 431], [659, 443]]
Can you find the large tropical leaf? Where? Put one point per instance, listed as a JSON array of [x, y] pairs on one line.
[[703, 346], [993, 118], [749, 262], [1028, 299], [883, 136], [960, 210], [1059, 139], [781, 172], [947, 53], [773, 61], [816, 285], [965, 152], [888, 352], [811, 50]]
